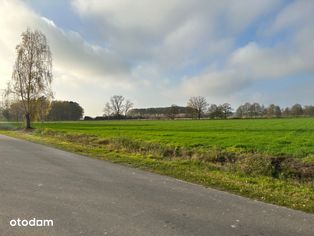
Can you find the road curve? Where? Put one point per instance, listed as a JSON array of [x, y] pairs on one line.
[[84, 196]]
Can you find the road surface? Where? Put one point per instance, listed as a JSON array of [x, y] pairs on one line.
[[84, 196]]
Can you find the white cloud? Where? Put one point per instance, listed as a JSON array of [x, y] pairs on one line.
[[173, 32], [75, 60], [268, 63], [165, 37], [75, 56], [160, 52], [212, 83], [298, 13], [291, 55]]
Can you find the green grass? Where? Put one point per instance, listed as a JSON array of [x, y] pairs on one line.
[[292, 137], [189, 150]]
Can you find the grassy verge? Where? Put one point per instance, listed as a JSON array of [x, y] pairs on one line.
[[285, 192]]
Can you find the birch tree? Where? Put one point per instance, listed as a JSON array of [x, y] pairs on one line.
[[32, 72]]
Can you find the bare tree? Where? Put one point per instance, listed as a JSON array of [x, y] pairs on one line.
[[116, 102], [32, 73], [127, 106], [117, 106], [308, 110], [256, 110], [250, 110], [296, 110], [273, 111], [226, 110], [198, 104], [107, 109], [286, 112]]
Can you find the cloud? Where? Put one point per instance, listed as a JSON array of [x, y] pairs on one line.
[[162, 52], [75, 61], [166, 39], [172, 33], [75, 56], [71, 53], [292, 16], [268, 63], [291, 55]]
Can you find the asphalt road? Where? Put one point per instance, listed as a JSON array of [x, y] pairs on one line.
[[84, 196]]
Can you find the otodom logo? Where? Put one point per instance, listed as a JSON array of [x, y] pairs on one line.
[[32, 222]]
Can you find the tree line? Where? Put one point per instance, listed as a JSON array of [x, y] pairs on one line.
[[42, 110], [118, 107], [29, 96], [222, 111], [256, 110]]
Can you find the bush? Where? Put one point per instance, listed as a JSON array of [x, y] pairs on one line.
[[255, 165], [291, 168]]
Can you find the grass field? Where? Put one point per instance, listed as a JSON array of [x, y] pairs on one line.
[[292, 137], [233, 155]]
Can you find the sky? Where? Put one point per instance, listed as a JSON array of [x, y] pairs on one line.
[[158, 53]]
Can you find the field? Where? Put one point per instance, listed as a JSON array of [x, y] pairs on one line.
[[291, 137], [267, 159]]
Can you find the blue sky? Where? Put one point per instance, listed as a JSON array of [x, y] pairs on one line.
[[159, 53], [59, 11]]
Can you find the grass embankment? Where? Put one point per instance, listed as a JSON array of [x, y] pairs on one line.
[[268, 160]]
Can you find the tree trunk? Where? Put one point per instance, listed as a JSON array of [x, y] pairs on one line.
[[27, 121]]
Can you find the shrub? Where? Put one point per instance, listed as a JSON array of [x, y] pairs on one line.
[[291, 168], [255, 165]]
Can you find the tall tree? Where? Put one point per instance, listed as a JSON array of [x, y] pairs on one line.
[[32, 72], [65, 110], [213, 111], [308, 110], [273, 111], [256, 110], [240, 112], [296, 110], [107, 109], [226, 110], [117, 106], [244, 110], [199, 105], [127, 107], [286, 112]]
